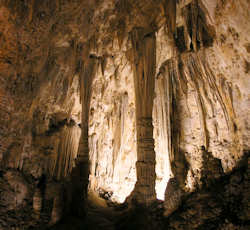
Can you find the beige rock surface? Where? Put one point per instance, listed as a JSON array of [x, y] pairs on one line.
[[90, 72]]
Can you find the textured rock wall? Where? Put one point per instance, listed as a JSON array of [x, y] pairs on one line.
[[196, 103], [201, 99], [112, 130]]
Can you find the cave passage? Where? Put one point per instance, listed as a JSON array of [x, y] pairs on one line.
[[124, 114]]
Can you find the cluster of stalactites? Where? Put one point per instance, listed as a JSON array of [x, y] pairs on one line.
[[176, 75], [195, 32], [66, 152]]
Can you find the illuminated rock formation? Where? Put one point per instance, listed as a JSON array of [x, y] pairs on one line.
[[133, 101]]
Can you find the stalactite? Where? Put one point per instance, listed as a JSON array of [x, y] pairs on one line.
[[170, 12], [197, 32], [195, 74], [181, 77], [186, 31], [225, 89], [121, 32], [194, 15], [168, 75], [177, 75], [103, 63], [66, 151], [53, 159], [212, 83], [119, 135], [72, 62], [171, 73]]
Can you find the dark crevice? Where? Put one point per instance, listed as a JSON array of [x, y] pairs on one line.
[[55, 126], [180, 40]]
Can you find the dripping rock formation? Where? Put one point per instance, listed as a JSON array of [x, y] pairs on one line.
[[125, 114]]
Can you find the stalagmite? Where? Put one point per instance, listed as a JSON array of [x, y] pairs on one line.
[[172, 196]]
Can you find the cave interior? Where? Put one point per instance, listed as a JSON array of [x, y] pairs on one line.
[[125, 114]]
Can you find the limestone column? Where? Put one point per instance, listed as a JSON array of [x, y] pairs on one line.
[[143, 62], [80, 173]]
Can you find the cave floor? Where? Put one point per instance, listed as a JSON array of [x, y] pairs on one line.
[[223, 204]]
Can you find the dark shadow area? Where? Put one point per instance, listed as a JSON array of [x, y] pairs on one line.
[[220, 204]]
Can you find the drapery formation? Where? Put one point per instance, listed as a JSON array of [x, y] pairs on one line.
[[184, 76], [66, 152]]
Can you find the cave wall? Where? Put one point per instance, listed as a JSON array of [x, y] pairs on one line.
[[201, 100], [201, 82], [112, 130]]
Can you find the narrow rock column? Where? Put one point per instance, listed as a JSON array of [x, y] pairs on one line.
[[143, 62], [80, 173]]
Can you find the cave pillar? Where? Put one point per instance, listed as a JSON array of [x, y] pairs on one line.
[[80, 173], [143, 62]]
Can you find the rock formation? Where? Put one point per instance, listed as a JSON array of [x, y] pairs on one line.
[[144, 103]]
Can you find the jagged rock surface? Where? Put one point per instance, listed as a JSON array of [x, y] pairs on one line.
[[84, 72]]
